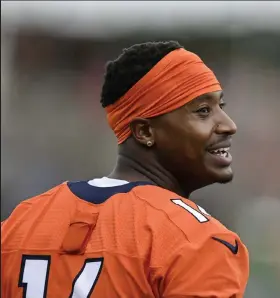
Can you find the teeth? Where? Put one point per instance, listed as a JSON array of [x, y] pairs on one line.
[[222, 151]]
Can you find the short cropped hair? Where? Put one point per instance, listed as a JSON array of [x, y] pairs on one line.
[[133, 63]]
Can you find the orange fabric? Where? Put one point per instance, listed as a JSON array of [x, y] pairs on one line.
[[145, 246], [175, 80]]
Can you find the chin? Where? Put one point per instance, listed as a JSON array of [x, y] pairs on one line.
[[224, 176], [220, 175], [225, 180]]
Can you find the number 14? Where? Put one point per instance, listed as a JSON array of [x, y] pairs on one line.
[[34, 277], [199, 215]]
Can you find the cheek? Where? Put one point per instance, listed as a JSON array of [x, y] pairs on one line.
[[199, 134], [191, 149], [184, 139], [193, 143], [178, 143], [168, 141]]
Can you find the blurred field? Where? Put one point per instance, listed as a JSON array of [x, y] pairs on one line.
[[53, 128]]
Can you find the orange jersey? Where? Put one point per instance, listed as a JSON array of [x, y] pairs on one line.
[[134, 240]]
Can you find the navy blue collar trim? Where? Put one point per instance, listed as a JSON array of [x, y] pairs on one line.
[[98, 195]]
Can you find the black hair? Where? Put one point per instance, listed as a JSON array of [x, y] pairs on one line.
[[134, 62]]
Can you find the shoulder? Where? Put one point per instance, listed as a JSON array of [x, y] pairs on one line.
[[199, 248], [33, 204], [194, 222], [38, 222]]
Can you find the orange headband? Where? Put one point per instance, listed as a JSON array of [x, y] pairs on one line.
[[175, 80]]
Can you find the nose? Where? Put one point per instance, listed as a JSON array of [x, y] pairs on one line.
[[226, 125]]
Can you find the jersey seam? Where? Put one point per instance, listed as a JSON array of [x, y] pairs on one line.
[[162, 211], [22, 250], [30, 201]]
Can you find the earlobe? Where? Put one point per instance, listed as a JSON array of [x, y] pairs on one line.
[[142, 131]]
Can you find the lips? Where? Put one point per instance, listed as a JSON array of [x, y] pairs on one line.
[[220, 154], [221, 145], [224, 152]]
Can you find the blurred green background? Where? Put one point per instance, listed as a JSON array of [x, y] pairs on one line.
[[53, 128]]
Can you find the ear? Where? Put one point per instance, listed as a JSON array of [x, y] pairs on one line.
[[142, 131]]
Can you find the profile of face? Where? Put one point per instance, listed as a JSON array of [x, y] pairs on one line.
[[193, 142]]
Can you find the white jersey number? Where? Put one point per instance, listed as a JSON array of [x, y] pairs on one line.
[[199, 215], [34, 276]]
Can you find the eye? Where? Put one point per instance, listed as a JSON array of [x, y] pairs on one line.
[[222, 105], [203, 111]]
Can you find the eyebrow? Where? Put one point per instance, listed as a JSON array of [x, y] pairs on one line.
[[209, 97]]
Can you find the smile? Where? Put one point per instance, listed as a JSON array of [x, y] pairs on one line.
[[221, 156], [224, 152]]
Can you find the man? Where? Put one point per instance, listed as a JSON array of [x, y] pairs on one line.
[[135, 233]]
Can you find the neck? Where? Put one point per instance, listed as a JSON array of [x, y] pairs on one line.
[[134, 166]]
